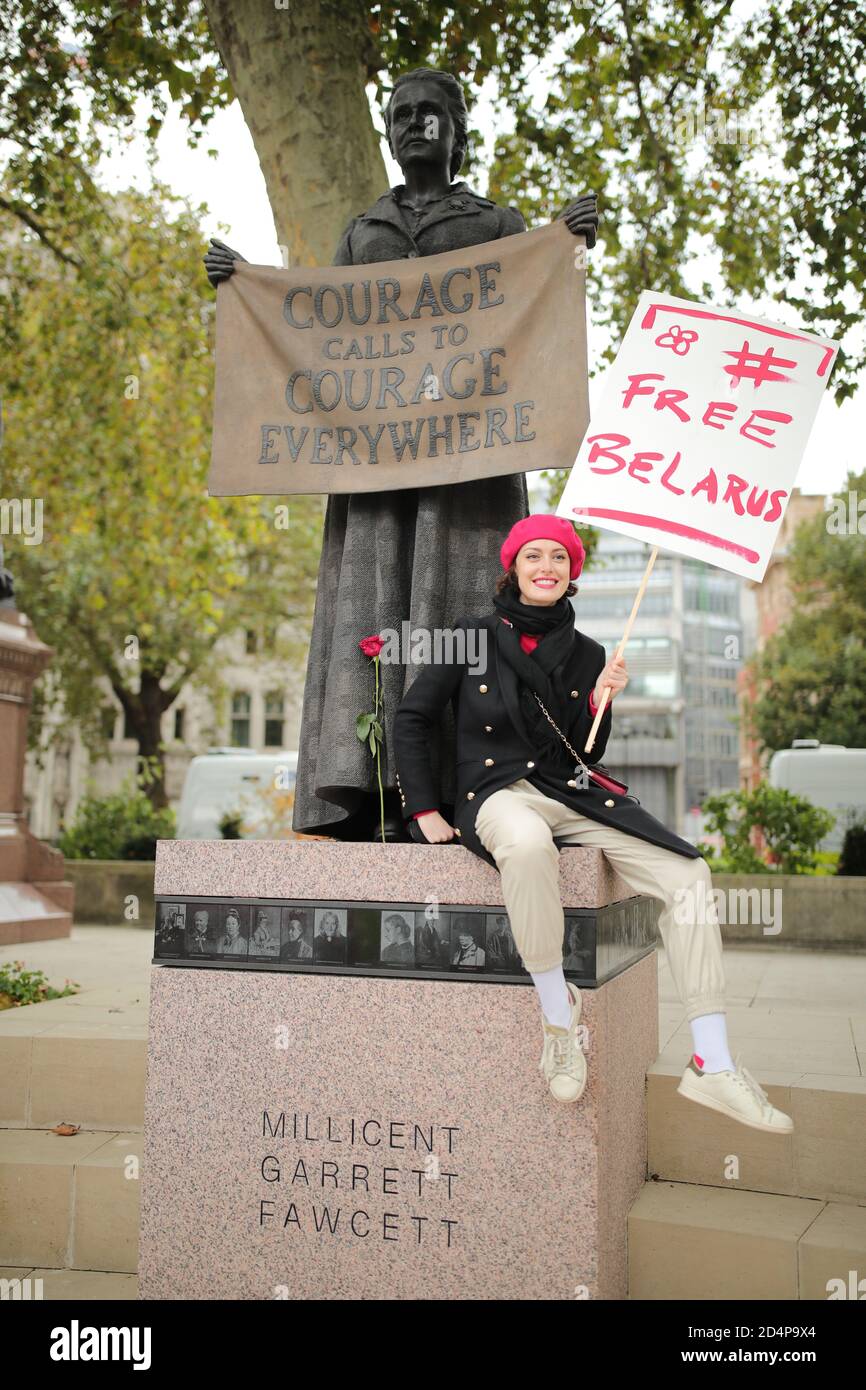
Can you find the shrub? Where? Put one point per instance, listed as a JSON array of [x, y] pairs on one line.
[[791, 826], [121, 826], [231, 825], [852, 859]]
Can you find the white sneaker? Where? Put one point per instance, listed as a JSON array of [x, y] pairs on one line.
[[562, 1062], [735, 1094]]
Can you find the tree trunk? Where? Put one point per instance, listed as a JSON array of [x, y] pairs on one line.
[[144, 712], [299, 74]]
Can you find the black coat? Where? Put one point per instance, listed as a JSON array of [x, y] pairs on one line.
[[494, 747]]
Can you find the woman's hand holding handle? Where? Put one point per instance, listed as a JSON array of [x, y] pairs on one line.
[[435, 828], [614, 676]]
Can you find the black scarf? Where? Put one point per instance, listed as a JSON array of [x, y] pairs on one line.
[[541, 670]]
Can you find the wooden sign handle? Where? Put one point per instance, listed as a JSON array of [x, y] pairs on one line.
[[621, 648]]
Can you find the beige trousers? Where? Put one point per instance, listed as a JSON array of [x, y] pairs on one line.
[[517, 824]]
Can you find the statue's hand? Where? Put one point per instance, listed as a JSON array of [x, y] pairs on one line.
[[220, 261], [581, 218]]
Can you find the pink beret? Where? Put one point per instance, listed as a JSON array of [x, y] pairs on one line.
[[543, 526]]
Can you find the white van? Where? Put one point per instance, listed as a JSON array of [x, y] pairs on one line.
[[259, 786], [829, 775]]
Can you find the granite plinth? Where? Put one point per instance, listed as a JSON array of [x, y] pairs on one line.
[[35, 900], [374, 908], [362, 872], [334, 1136]]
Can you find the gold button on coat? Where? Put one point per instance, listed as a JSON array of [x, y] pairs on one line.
[[483, 689], [530, 764], [574, 694], [610, 803], [456, 832], [488, 728], [470, 796], [488, 762], [572, 783]]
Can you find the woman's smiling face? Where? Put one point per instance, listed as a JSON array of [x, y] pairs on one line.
[[543, 571]]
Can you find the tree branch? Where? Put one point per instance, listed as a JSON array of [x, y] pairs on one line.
[[23, 213]]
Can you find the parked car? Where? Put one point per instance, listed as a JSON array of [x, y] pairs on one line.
[[829, 775], [258, 786]]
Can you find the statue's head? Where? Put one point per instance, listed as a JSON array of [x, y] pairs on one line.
[[431, 101]]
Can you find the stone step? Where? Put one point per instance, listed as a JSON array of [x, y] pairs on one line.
[[52, 1284], [687, 1241], [71, 1217], [88, 1072], [69, 1202], [824, 1158], [29, 914], [72, 1212]]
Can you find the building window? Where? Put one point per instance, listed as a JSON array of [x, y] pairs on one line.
[[274, 719], [240, 731], [178, 723], [128, 731], [109, 721], [251, 640], [658, 685], [596, 601]]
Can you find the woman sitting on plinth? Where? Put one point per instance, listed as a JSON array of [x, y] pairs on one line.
[[521, 779]]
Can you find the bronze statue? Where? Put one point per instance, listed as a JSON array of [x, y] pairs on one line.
[[416, 554]]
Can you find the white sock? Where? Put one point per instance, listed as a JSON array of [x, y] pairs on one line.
[[710, 1037], [556, 1002]]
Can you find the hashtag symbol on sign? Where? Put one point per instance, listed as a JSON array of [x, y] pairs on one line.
[[756, 365]]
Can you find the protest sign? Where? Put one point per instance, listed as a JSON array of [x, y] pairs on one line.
[[409, 373], [698, 437], [697, 440]]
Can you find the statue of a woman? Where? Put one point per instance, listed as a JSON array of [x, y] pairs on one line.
[[415, 554]]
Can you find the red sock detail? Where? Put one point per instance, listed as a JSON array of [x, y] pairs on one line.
[[699, 1060]]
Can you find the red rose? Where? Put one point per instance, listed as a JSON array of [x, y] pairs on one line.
[[371, 646]]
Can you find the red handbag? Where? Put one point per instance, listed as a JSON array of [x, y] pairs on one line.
[[599, 774]]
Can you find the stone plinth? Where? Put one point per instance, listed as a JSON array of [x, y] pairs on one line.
[[35, 899], [321, 1129]]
